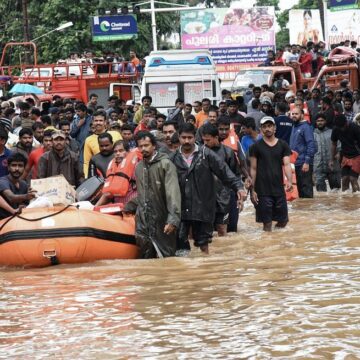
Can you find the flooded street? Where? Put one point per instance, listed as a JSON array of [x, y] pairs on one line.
[[294, 293]]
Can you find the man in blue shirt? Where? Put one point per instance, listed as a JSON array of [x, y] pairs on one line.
[[302, 141], [80, 127], [13, 190], [283, 123], [251, 135]]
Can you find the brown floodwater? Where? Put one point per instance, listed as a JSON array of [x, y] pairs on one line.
[[291, 294]]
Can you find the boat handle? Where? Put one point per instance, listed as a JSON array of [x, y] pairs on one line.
[[49, 253]]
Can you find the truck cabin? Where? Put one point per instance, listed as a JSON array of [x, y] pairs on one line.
[[276, 76]]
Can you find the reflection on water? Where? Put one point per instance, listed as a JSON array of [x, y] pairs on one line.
[[294, 293]]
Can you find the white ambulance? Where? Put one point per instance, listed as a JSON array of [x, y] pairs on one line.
[[185, 74]]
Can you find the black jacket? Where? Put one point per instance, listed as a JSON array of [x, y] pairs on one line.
[[227, 155], [197, 183]]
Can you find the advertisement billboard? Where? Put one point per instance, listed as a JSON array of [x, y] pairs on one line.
[[113, 27], [235, 37], [305, 25], [343, 25]]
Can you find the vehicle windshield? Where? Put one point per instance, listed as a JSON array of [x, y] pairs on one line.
[[255, 76]]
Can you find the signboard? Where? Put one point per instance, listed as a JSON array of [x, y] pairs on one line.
[[343, 25], [336, 5], [115, 27], [305, 25], [235, 37]]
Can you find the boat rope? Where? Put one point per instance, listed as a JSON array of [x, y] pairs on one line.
[[36, 219]]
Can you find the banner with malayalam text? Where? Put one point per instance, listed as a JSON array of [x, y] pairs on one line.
[[343, 25], [235, 37]]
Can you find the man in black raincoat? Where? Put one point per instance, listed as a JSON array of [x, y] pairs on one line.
[[158, 201], [210, 137], [196, 166]]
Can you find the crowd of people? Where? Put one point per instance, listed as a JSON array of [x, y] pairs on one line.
[[109, 61], [310, 56], [186, 174]]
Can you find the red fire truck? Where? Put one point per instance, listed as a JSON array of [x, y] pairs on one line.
[[69, 79]]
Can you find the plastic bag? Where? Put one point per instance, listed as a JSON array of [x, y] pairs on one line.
[[41, 202]]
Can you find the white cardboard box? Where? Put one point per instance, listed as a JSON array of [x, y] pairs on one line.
[[56, 188]]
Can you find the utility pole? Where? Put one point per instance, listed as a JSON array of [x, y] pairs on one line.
[[25, 21], [26, 28], [153, 11]]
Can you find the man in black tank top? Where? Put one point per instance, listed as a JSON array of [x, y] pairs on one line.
[[100, 162]]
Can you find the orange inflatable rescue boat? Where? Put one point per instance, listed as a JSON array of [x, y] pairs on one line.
[[65, 235]]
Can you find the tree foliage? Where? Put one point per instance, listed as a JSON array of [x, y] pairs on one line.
[[47, 15]]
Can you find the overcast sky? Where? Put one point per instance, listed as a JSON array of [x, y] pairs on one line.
[[284, 4]]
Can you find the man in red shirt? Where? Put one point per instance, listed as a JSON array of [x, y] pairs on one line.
[[305, 61], [144, 122], [35, 155]]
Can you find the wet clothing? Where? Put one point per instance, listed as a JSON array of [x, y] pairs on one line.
[[349, 138], [347, 171], [98, 164], [272, 208], [51, 164], [353, 164], [198, 198], [321, 161], [302, 141], [222, 192], [197, 183], [158, 203], [7, 184], [269, 174], [201, 232], [284, 126], [304, 182]]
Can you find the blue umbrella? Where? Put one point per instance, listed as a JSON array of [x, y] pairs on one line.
[[25, 89]]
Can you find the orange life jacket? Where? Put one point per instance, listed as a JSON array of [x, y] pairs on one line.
[[294, 193], [306, 112], [232, 140], [119, 176]]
